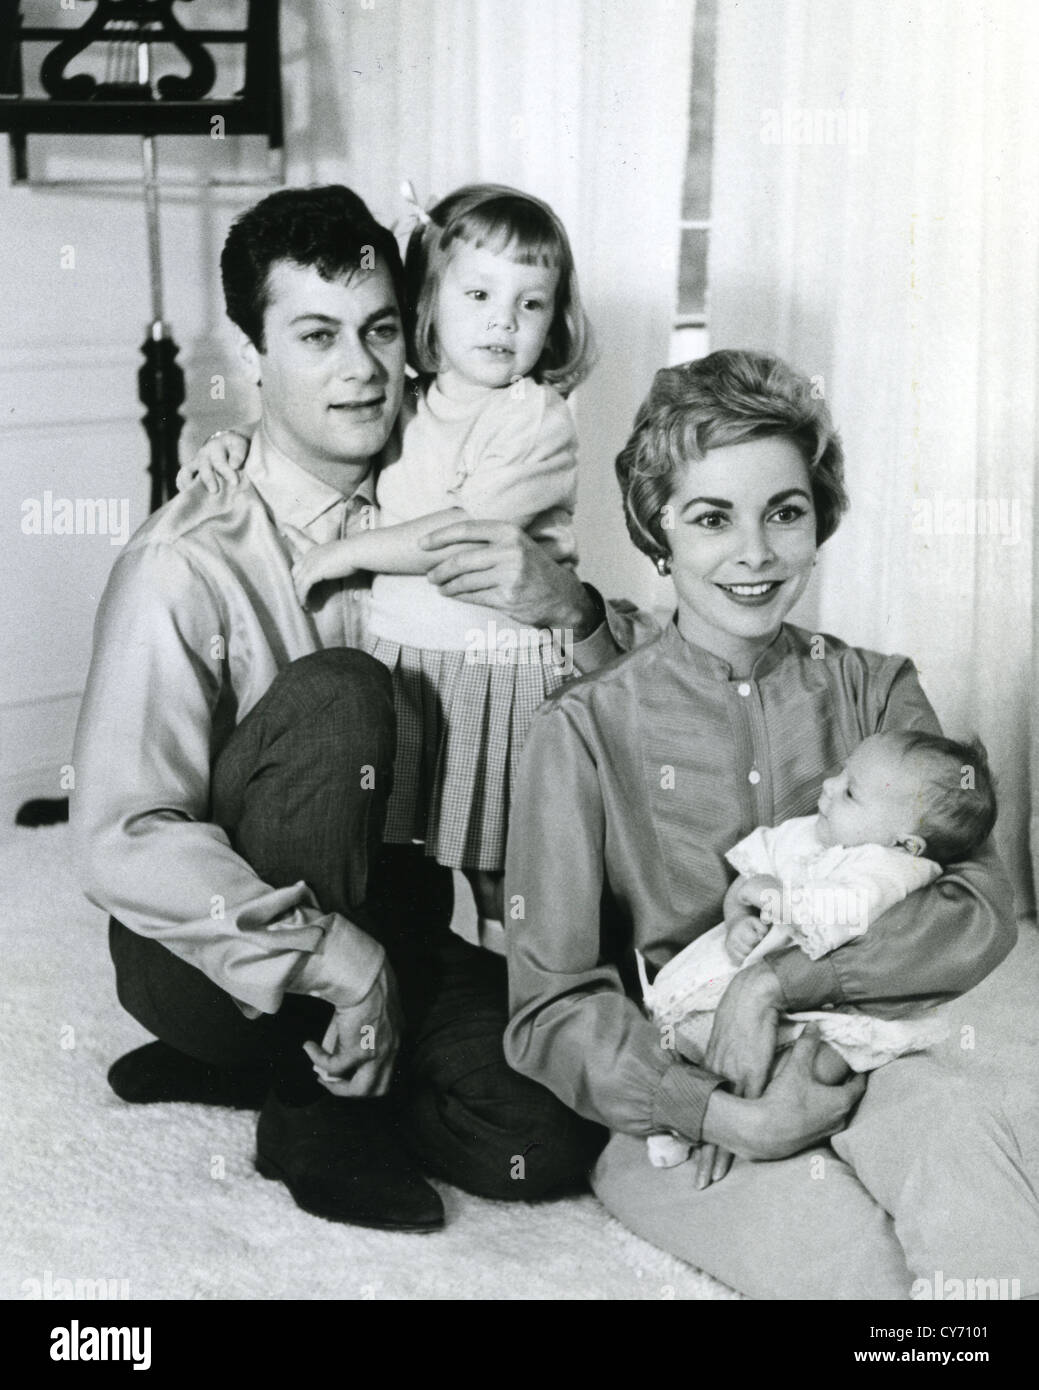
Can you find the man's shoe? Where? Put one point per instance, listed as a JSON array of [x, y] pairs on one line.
[[341, 1160], [157, 1072]]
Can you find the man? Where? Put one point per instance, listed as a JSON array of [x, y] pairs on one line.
[[234, 757]]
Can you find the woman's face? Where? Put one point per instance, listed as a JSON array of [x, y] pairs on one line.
[[742, 534]]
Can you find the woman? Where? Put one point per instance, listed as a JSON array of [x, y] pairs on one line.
[[635, 782]]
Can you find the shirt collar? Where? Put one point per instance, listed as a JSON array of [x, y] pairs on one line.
[[714, 668], [293, 494]]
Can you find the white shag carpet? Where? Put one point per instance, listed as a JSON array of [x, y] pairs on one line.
[[166, 1198]]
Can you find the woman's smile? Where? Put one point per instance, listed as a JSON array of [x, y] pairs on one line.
[[752, 595]]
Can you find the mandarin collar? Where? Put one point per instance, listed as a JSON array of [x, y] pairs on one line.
[[713, 668], [293, 494]]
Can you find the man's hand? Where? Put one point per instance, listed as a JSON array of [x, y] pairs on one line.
[[796, 1111], [497, 564], [358, 1051]]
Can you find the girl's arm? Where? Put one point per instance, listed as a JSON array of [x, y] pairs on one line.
[[386, 550]]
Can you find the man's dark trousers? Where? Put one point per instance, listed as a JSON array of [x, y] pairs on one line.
[[301, 789]]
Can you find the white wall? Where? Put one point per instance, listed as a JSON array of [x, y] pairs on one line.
[[581, 101], [69, 416]]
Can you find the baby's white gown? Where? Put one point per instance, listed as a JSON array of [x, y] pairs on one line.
[[831, 894]]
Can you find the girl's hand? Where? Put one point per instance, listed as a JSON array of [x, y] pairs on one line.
[[300, 546], [314, 563], [219, 460], [309, 571]]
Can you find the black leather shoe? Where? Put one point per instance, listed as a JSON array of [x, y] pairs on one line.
[[157, 1072], [341, 1160]]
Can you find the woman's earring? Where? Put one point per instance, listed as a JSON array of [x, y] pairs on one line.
[[663, 565]]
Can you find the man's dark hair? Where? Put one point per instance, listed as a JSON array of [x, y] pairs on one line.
[[329, 228]]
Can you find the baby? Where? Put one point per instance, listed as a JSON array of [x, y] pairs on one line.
[[904, 805]]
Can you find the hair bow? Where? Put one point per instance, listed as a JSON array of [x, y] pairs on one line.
[[414, 223], [418, 212]]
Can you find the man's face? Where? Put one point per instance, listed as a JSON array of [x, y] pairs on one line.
[[332, 370]]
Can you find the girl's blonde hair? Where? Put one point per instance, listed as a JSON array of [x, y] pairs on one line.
[[506, 222]]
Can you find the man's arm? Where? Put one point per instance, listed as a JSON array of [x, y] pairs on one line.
[[146, 849]]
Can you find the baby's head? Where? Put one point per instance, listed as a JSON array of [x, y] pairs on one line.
[[927, 794], [493, 292]]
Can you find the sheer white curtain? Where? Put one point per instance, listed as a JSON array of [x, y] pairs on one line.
[[877, 222], [583, 102]]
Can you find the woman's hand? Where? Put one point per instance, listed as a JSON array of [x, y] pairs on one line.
[[220, 460], [796, 1111], [741, 1048], [743, 1038]]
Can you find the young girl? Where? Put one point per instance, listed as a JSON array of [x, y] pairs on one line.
[[498, 338]]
